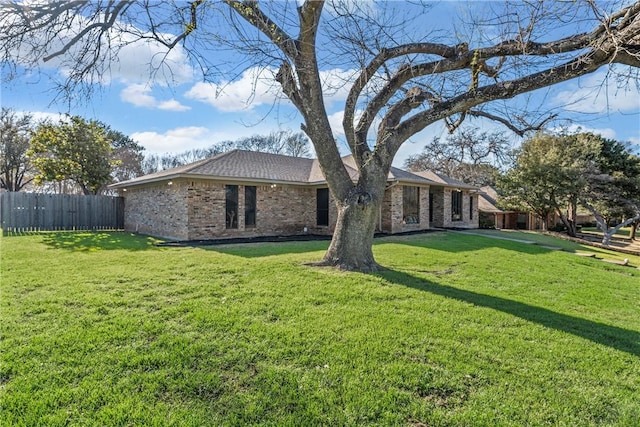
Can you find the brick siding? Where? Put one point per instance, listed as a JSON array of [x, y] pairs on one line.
[[158, 210], [193, 210], [442, 209]]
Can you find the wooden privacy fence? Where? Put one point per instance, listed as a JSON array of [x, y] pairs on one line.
[[20, 212]]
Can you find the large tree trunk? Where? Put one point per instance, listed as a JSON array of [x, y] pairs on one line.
[[569, 220], [351, 246], [608, 234]]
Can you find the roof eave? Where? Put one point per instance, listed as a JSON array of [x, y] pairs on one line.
[[126, 184]]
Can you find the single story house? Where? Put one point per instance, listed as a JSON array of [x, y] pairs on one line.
[[491, 216], [249, 194]]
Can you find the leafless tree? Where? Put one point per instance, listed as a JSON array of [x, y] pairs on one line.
[[405, 76], [468, 155], [283, 142], [16, 170]]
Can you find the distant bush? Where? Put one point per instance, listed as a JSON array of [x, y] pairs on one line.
[[486, 221], [558, 227]]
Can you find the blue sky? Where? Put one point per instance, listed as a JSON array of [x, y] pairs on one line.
[[190, 114]]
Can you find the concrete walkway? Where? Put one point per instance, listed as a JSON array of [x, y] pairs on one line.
[[625, 262], [511, 239]]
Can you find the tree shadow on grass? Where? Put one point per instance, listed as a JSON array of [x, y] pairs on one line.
[[611, 336], [460, 242], [89, 241], [265, 249], [257, 249]]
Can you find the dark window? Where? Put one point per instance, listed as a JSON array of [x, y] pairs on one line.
[[322, 206], [456, 206], [232, 206], [521, 221], [430, 207], [470, 207], [249, 206], [411, 205]]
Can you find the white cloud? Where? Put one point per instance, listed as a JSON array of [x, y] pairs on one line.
[[175, 140], [604, 132], [336, 84], [598, 94], [140, 96], [351, 7], [147, 60], [634, 140], [256, 86], [172, 105], [187, 138], [335, 120], [39, 116], [132, 55]]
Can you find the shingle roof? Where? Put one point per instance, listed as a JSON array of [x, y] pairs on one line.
[[444, 180], [256, 165], [241, 165], [487, 200], [395, 174]]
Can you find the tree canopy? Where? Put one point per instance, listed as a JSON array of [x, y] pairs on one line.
[[127, 155], [15, 167], [76, 150], [467, 155], [407, 77], [612, 184], [558, 172]]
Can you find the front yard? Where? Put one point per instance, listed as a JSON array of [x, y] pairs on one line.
[[108, 329]]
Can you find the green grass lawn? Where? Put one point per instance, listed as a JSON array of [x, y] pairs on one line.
[[108, 329], [566, 245], [623, 232]]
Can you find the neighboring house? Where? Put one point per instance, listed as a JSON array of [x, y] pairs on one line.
[[249, 194], [491, 216]]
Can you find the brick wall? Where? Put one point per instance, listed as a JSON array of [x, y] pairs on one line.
[[206, 210], [442, 209], [157, 209], [392, 211], [192, 210], [280, 210], [385, 210], [472, 221]]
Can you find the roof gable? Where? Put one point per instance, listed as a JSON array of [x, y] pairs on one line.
[[395, 174], [487, 202], [444, 180]]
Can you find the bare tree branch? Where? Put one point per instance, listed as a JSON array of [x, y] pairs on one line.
[[109, 20], [520, 131]]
